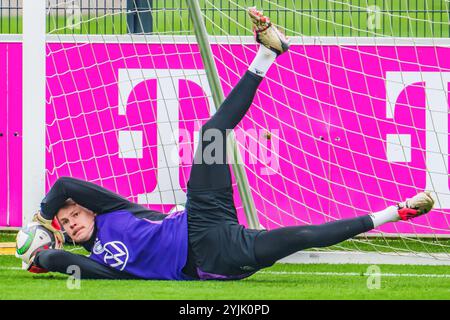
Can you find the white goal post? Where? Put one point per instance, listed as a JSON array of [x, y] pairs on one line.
[[34, 104]]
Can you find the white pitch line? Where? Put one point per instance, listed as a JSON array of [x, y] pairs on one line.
[[10, 268], [344, 274]]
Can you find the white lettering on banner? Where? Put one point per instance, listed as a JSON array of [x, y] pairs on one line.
[[130, 144], [168, 189], [436, 91], [73, 13]]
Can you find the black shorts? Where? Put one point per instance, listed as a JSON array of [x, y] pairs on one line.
[[222, 248]]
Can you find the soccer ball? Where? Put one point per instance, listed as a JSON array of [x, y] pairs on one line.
[[31, 238]]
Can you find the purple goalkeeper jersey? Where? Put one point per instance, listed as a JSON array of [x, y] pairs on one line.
[[144, 248]]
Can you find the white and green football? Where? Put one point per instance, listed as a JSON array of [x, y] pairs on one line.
[[31, 238]]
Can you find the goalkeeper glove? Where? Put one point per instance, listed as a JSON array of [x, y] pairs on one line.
[[32, 267], [59, 236]]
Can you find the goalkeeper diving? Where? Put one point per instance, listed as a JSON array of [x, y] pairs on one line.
[[205, 240]]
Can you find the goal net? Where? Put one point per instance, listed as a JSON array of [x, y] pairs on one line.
[[352, 119]]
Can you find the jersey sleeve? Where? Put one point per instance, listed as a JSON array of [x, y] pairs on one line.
[[62, 261], [86, 194]]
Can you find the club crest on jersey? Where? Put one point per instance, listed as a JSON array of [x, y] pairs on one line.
[[116, 254], [98, 248]]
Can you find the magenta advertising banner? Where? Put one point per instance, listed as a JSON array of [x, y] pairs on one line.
[[334, 131], [10, 135]]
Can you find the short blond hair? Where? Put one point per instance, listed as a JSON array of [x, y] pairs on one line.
[[69, 202]]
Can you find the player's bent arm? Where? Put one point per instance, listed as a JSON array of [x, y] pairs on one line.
[[86, 194], [66, 262]]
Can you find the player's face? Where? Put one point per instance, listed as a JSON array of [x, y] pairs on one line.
[[77, 221]]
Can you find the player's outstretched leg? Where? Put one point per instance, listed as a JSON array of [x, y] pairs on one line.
[[205, 174], [276, 244]]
